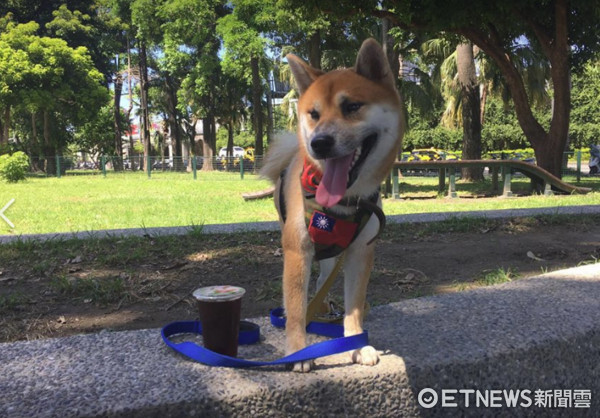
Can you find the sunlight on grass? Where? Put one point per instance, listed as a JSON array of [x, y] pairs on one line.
[[131, 200]]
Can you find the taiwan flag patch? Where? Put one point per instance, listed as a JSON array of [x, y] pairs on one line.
[[327, 230]]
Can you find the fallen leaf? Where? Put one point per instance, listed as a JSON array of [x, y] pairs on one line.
[[534, 257], [175, 265]]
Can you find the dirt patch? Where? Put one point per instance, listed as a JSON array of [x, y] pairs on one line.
[[81, 286]]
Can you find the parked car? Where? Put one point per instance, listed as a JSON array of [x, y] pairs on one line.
[[237, 152], [85, 165], [512, 155], [233, 163], [166, 164], [594, 163]]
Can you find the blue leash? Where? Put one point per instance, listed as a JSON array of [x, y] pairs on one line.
[[338, 344]]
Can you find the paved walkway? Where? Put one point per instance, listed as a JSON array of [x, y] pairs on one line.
[[273, 226]]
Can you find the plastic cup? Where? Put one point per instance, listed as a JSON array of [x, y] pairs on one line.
[[220, 308]]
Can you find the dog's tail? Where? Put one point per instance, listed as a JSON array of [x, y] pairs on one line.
[[279, 156]]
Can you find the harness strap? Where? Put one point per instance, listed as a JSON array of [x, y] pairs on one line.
[[319, 297], [369, 206]]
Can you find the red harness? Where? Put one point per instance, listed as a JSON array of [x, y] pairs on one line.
[[331, 233], [311, 177]]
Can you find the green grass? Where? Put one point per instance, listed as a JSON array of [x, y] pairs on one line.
[[81, 203], [131, 200], [11, 301], [497, 276], [419, 195], [107, 290]]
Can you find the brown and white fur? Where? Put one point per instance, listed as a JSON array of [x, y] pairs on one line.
[[338, 113]]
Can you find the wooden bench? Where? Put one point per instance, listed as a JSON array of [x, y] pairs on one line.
[[506, 167]]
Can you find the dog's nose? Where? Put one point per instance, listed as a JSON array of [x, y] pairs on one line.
[[322, 144]]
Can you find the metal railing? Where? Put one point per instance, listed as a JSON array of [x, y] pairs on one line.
[[575, 164], [58, 166]]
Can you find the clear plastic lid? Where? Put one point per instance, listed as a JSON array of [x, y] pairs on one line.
[[218, 293]]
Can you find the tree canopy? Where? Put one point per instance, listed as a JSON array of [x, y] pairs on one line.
[[185, 61]]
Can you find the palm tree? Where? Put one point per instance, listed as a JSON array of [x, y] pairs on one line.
[[290, 100], [470, 103], [467, 59]]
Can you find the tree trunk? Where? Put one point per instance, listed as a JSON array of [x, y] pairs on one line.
[[560, 72], [314, 49], [130, 108], [393, 56], [145, 125], [173, 121], [269, 115], [5, 124], [553, 40], [208, 143], [229, 138], [35, 159], [467, 79], [484, 94], [118, 162], [257, 106], [49, 151]]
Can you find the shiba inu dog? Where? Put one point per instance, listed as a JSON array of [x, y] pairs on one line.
[[350, 125]]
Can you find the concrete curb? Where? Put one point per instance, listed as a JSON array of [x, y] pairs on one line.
[[274, 226], [537, 333]]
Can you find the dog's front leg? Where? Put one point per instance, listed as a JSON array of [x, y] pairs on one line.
[[296, 275], [357, 272]]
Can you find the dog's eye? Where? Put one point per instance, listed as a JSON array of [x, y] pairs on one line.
[[351, 107], [314, 114]]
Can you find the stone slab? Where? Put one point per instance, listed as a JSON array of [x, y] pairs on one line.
[[537, 333]]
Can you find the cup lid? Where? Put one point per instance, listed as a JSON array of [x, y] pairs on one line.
[[218, 293]]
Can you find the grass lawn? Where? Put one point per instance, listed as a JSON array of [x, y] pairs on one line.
[[79, 203], [131, 200]]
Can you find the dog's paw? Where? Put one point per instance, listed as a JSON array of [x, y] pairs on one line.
[[366, 356], [302, 366]]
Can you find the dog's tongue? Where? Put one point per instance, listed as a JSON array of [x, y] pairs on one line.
[[332, 186]]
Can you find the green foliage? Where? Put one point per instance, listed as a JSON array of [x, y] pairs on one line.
[[57, 57], [241, 139], [241, 43], [438, 137], [14, 167], [45, 74], [585, 113], [94, 138]]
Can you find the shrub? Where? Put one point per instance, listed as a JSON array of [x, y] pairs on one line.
[[438, 137], [13, 167]]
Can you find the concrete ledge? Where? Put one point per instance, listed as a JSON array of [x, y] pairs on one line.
[[538, 333]]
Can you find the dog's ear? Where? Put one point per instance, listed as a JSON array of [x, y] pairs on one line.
[[303, 73], [372, 63]]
